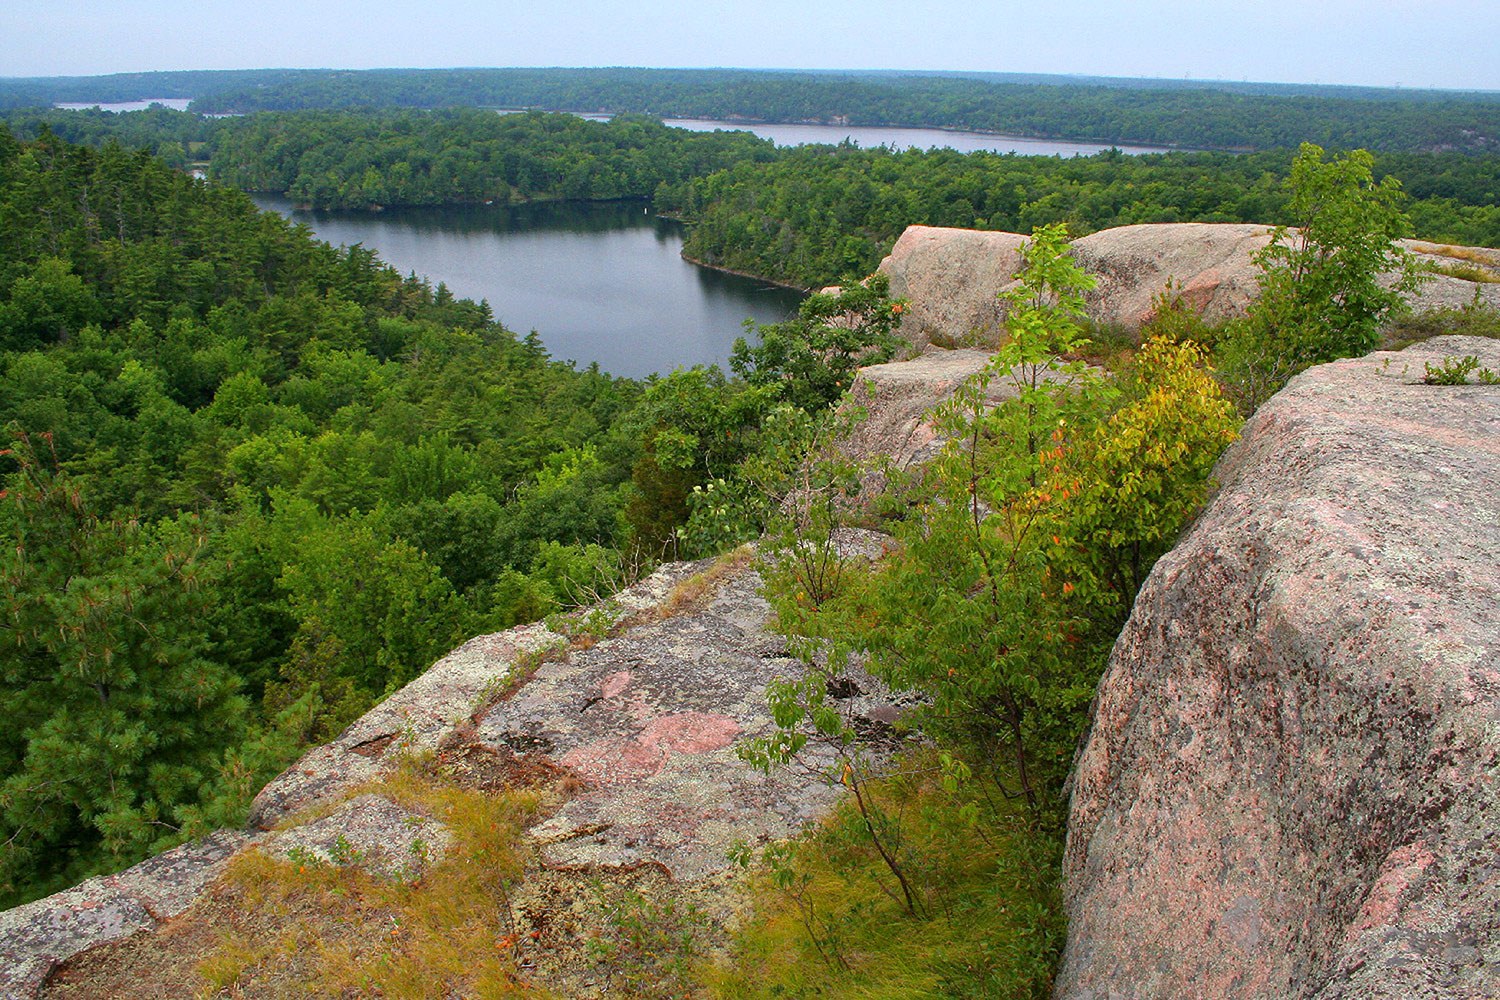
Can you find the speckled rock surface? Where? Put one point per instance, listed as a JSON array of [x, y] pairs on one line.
[[424, 711], [1208, 262], [1292, 784], [38, 936], [416, 716], [369, 832], [950, 277], [649, 721]]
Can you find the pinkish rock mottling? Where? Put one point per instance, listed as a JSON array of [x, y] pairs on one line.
[[1290, 788]]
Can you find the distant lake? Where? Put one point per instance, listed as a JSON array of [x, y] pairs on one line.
[[801, 135], [175, 103], [906, 138], [599, 282]]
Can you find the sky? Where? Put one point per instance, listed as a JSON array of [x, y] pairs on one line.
[[1452, 44]]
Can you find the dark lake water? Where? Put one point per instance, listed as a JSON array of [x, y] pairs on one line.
[[598, 282]]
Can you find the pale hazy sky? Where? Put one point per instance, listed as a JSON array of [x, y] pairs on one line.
[[1414, 43]]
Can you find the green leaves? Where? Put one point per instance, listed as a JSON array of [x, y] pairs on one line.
[[1020, 549], [812, 360], [119, 718], [1329, 280]]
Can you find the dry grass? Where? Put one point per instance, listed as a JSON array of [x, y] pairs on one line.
[[695, 590], [1466, 272], [1474, 255], [277, 928], [823, 925]]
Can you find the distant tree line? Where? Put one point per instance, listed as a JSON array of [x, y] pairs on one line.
[[1196, 114], [806, 216], [818, 214]]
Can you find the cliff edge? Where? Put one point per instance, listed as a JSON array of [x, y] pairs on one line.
[[1292, 784]]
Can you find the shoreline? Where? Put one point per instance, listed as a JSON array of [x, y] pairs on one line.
[[743, 274]]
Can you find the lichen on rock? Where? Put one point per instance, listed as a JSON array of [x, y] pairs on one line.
[[1290, 784]]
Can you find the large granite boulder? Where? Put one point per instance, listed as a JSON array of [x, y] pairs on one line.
[[1208, 265], [1292, 783], [950, 277]]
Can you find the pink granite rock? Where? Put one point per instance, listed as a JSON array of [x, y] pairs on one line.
[[950, 277], [1290, 788], [1208, 263]]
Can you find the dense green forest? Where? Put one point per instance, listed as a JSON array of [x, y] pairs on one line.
[[252, 482], [818, 214], [333, 159], [1198, 118], [1170, 113], [255, 482], [362, 160], [806, 215]]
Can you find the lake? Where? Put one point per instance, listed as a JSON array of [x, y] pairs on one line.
[[910, 138], [606, 282], [598, 281], [175, 103]]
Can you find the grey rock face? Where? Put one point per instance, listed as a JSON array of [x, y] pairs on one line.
[[1292, 785], [35, 938], [370, 832], [648, 721], [417, 716]]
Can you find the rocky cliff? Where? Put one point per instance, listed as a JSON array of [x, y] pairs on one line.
[[1290, 788], [951, 276], [1292, 785]]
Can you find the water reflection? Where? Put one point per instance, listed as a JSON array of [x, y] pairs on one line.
[[599, 282]]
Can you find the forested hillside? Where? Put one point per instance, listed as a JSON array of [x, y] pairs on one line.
[[1198, 114], [818, 213], [251, 483], [802, 215]]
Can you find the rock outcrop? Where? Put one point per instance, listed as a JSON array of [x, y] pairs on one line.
[[1208, 264], [636, 705], [37, 937], [952, 276], [899, 397], [1292, 783]]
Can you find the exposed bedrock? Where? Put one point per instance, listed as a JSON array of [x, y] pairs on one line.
[[951, 276], [1292, 783]]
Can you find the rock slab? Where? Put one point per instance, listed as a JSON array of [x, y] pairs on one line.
[[37, 937], [952, 276], [1292, 783]]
